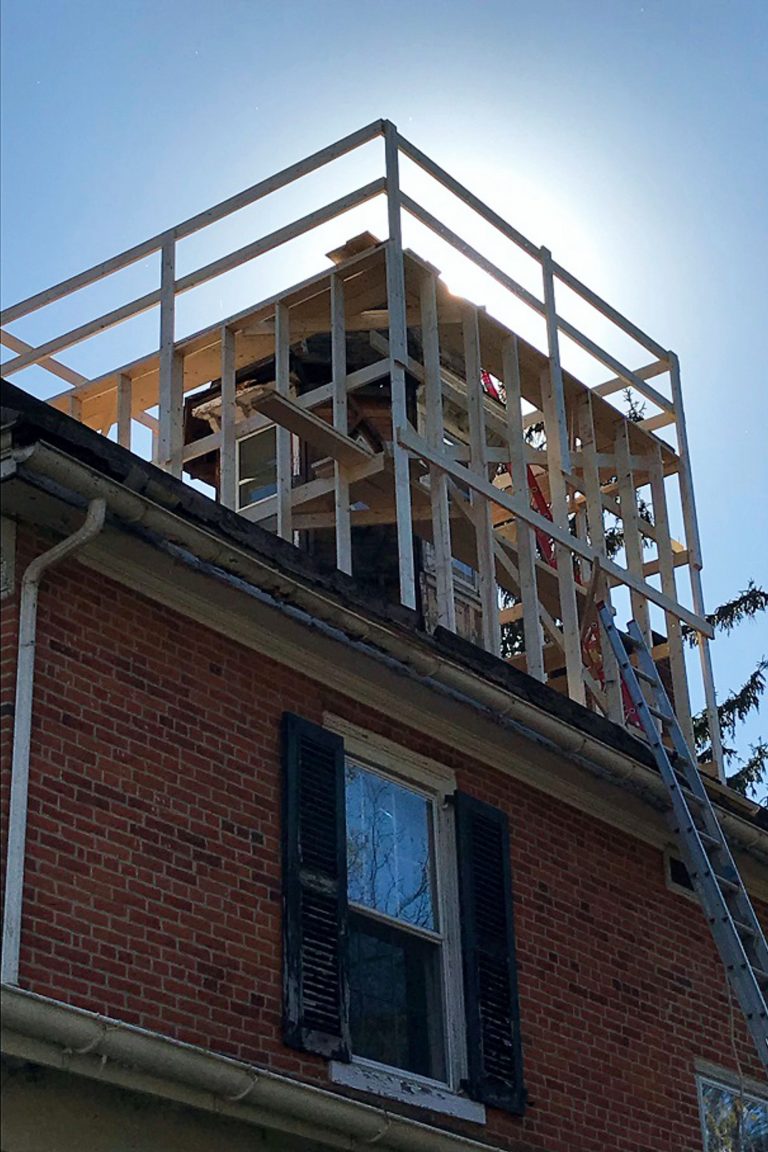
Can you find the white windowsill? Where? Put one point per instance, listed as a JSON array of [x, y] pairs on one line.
[[406, 1088]]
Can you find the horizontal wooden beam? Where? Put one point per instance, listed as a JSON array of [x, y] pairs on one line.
[[135, 307], [55, 367], [208, 337], [286, 412], [194, 223], [527, 246], [626, 374], [200, 276], [282, 235], [617, 383]]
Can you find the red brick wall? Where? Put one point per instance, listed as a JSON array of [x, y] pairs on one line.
[[153, 879]]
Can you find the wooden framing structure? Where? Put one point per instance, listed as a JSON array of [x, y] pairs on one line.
[[456, 466]]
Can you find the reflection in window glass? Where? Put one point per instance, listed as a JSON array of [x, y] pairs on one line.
[[257, 467], [733, 1121], [389, 848]]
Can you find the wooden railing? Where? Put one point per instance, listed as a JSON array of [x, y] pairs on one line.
[[448, 477]]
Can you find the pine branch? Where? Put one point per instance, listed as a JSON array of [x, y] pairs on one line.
[[635, 408], [745, 606], [736, 707], [752, 773]]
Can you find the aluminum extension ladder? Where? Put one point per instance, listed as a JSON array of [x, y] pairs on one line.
[[716, 880]]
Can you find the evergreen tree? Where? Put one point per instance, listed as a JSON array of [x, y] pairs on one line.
[[751, 770]]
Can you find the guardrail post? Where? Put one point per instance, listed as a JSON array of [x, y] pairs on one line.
[[171, 393], [693, 543], [555, 369], [398, 353]]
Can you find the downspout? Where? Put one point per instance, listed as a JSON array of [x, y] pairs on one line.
[[22, 728]]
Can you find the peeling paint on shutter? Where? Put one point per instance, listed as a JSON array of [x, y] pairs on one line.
[[314, 890], [494, 1051]]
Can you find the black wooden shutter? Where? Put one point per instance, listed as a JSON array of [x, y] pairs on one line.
[[315, 995], [494, 1051]]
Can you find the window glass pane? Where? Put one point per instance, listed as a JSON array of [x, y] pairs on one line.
[[389, 848], [395, 998], [257, 457], [733, 1122]]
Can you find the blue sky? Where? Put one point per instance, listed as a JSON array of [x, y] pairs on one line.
[[629, 137]]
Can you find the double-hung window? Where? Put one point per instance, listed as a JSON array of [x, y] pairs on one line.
[[396, 940], [398, 947]]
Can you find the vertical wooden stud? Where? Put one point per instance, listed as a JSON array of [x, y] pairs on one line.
[[284, 447], [594, 503], [554, 424], [398, 353], [341, 422], [74, 406], [555, 369], [228, 478], [526, 548], [486, 563], [124, 410], [690, 522], [171, 393], [438, 480], [630, 519], [669, 588]]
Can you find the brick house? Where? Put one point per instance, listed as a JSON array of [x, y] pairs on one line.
[[291, 862]]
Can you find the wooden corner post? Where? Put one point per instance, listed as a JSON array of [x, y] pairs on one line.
[[398, 353], [559, 465], [438, 480], [691, 524], [171, 368]]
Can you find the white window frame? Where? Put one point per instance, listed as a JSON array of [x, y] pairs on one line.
[[433, 780], [706, 1074]]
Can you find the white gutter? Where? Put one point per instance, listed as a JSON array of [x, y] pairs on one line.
[[88, 1044], [232, 564], [22, 727]]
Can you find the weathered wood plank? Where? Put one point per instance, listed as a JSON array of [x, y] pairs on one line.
[[526, 547], [435, 435], [486, 567], [228, 457], [398, 346], [341, 424]]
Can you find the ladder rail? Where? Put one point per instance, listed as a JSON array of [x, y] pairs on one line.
[[735, 929], [696, 785]]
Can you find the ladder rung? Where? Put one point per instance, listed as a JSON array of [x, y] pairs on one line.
[[708, 842], [660, 714], [760, 975], [629, 642], [689, 796], [725, 882], [705, 838], [743, 929], [641, 675]]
